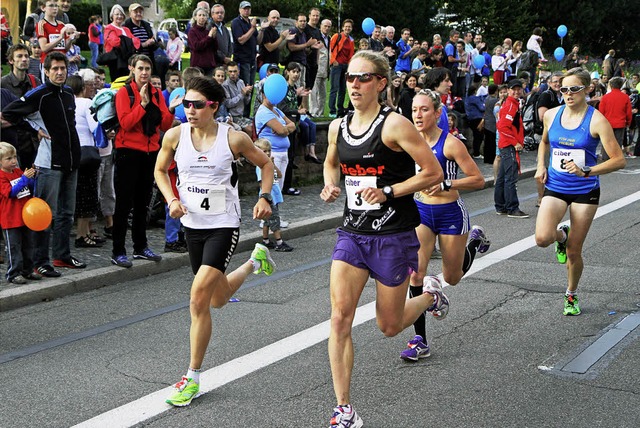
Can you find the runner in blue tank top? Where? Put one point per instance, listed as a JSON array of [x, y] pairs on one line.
[[376, 150], [442, 214], [205, 151], [570, 137]]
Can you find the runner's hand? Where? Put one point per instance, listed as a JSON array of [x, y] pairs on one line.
[[330, 193], [262, 210], [176, 209]]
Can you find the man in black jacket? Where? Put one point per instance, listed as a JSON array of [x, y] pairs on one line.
[[51, 109]]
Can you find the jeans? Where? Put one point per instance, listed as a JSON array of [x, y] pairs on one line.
[[505, 193], [338, 88], [171, 226], [307, 132], [248, 76], [94, 54], [106, 192], [58, 189], [133, 183]]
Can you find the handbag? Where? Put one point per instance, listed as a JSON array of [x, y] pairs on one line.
[[89, 158], [105, 58]]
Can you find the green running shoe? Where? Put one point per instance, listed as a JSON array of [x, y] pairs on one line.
[[186, 391], [561, 248], [261, 254], [571, 305]]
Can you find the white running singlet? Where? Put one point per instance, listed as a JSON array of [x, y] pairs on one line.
[[208, 182]]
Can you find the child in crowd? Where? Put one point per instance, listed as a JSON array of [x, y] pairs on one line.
[[34, 59], [15, 191], [273, 222], [156, 82], [363, 44], [222, 115], [453, 127], [483, 90]]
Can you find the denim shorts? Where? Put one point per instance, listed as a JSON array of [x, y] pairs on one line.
[[388, 258]]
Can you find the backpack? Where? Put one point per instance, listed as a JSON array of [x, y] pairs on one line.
[[103, 107], [529, 60], [530, 118]]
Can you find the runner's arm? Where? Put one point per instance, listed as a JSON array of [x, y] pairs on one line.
[[161, 172], [331, 168]]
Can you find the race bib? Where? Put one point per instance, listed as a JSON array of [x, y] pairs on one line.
[[352, 185], [24, 192], [60, 44], [560, 157], [204, 199]]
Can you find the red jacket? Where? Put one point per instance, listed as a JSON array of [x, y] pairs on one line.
[[342, 48], [11, 208], [616, 107], [509, 126], [131, 134]]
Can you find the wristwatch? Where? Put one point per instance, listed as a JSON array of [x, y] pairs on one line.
[[586, 170], [445, 185], [388, 192], [267, 197]]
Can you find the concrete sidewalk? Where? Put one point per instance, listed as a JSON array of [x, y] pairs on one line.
[[306, 214]]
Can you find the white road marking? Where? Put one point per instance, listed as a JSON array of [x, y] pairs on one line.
[[153, 404]]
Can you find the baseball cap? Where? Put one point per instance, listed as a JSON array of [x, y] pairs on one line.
[[135, 6], [244, 4], [514, 82], [273, 67]]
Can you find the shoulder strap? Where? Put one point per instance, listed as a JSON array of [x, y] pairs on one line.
[[132, 97], [33, 80]]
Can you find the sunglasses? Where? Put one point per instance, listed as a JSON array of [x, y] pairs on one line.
[[571, 89], [362, 77], [197, 104]]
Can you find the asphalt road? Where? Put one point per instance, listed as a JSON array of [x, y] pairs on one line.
[[503, 357]]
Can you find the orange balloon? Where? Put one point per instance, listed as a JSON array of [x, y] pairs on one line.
[[36, 214]]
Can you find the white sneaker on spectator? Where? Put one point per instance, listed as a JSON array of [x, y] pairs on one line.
[[284, 224]]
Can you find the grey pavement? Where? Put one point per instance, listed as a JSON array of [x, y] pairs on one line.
[[306, 214]]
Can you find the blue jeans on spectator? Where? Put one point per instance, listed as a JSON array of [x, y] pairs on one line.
[[505, 193], [307, 131], [19, 241], [248, 76], [94, 54], [338, 88], [58, 189], [171, 226]]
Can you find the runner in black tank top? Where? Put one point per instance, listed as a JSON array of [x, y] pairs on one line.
[[375, 149]]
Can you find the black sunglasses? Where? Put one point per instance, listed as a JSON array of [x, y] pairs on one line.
[[571, 89], [197, 104], [362, 77]]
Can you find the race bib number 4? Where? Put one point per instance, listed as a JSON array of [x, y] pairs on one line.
[[560, 158], [205, 199], [354, 200]]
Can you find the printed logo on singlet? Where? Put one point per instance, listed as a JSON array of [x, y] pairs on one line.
[[368, 156], [202, 158], [360, 170]]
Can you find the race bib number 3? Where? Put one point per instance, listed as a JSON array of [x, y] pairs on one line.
[[560, 158], [354, 200], [205, 199]]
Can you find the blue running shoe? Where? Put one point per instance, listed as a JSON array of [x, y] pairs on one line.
[[147, 254], [477, 233], [416, 348]]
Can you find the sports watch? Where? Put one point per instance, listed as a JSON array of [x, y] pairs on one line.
[[267, 197], [445, 185], [388, 192], [586, 170]]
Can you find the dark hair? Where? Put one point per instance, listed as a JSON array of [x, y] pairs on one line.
[[55, 56], [524, 75], [232, 64], [616, 82], [453, 33], [472, 89], [208, 87], [350, 21], [76, 84], [492, 88], [140, 57], [537, 31], [405, 29], [423, 51], [17, 47], [436, 51], [293, 66], [436, 76]]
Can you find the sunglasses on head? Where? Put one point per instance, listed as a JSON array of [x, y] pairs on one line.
[[571, 89], [197, 104], [362, 77]]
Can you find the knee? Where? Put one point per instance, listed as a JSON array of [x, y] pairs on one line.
[[417, 278], [543, 240], [452, 278], [341, 322], [217, 302], [574, 255], [390, 329], [199, 302]]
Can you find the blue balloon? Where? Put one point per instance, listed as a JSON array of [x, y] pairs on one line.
[[558, 54], [478, 62], [180, 114], [263, 70], [562, 31], [368, 26], [275, 88]]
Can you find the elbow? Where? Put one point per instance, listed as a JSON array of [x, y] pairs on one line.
[[479, 183]]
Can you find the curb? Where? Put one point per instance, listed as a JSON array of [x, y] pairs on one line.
[[93, 279]]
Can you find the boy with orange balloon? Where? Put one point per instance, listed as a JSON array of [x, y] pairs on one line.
[[15, 191]]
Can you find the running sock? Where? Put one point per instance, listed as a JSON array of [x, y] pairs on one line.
[[256, 264], [570, 293], [420, 324], [194, 374], [470, 255], [265, 241]]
